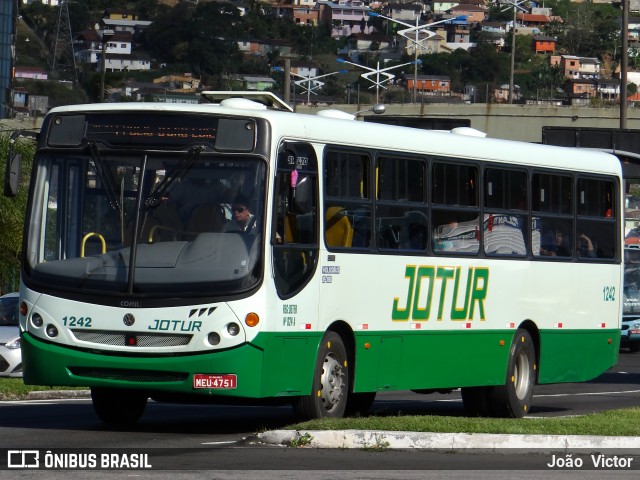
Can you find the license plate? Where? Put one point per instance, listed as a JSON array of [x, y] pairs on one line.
[[634, 332], [205, 380]]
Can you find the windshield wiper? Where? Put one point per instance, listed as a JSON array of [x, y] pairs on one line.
[[107, 179], [163, 187]]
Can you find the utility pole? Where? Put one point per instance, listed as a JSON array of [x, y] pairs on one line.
[[104, 38]]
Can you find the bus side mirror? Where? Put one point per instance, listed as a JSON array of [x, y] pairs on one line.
[[12, 173], [13, 169]]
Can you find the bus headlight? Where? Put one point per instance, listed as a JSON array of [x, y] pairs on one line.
[[36, 320], [52, 331], [233, 329], [213, 338]]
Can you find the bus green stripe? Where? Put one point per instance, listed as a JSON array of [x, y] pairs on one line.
[[277, 364]]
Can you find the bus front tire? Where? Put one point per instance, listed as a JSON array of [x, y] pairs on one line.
[[118, 407], [330, 386], [512, 400]]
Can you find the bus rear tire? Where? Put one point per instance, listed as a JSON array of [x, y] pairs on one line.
[[512, 400], [118, 407], [330, 386]]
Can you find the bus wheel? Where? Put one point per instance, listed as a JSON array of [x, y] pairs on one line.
[[513, 398], [330, 382], [359, 403], [476, 401], [118, 407]]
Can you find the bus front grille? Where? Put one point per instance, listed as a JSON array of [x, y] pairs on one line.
[[132, 339], [125, 375]]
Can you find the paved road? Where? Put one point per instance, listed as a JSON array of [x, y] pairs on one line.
[[210, 437]]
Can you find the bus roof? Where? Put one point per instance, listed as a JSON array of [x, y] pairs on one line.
[[358, 134]]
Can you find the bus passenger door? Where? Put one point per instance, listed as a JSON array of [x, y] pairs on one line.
[[294, 235]]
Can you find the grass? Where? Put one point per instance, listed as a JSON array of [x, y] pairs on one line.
[[15, 389], [624, 422]]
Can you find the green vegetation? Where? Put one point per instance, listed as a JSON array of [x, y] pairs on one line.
[[15, 389], [625, 422], [300, 441], [201, 38], [12, 211]]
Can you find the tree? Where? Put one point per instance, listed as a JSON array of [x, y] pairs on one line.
[[589, 29]]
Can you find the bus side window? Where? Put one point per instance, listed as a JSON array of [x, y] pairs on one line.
[[402, 221], [596, 223], [347, 205]]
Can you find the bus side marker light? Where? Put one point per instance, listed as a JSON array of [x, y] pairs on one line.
[[305, 326], [603, 325], [557, 325], [468, 325], [367, 346], [511, 325], [609, 341], [363, 326], [23, 309], [252, 319], [501, 343], [416, 326]]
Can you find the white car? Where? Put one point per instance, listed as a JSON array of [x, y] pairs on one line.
[[10, 356]]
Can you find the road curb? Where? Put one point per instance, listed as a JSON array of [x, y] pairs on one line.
[[53, 394], [373, 439]]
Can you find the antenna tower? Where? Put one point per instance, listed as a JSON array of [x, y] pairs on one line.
[[64, 59]]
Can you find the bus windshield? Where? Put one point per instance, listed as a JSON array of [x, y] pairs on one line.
[[188, 221]]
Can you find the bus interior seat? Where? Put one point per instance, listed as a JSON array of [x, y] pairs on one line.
[[208, 217], [290, 231], [388, 233], [338, 229], [162, 223], [413, 233]]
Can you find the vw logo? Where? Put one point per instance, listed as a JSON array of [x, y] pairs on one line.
[[129, 319]]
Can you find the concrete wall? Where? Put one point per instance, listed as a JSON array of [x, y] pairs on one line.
[[513, 122]]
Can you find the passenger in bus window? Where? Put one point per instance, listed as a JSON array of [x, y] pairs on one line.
[[556, 245], [563, 248], [585, 247]]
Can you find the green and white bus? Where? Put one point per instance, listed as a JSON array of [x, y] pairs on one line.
[[373, 258]]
